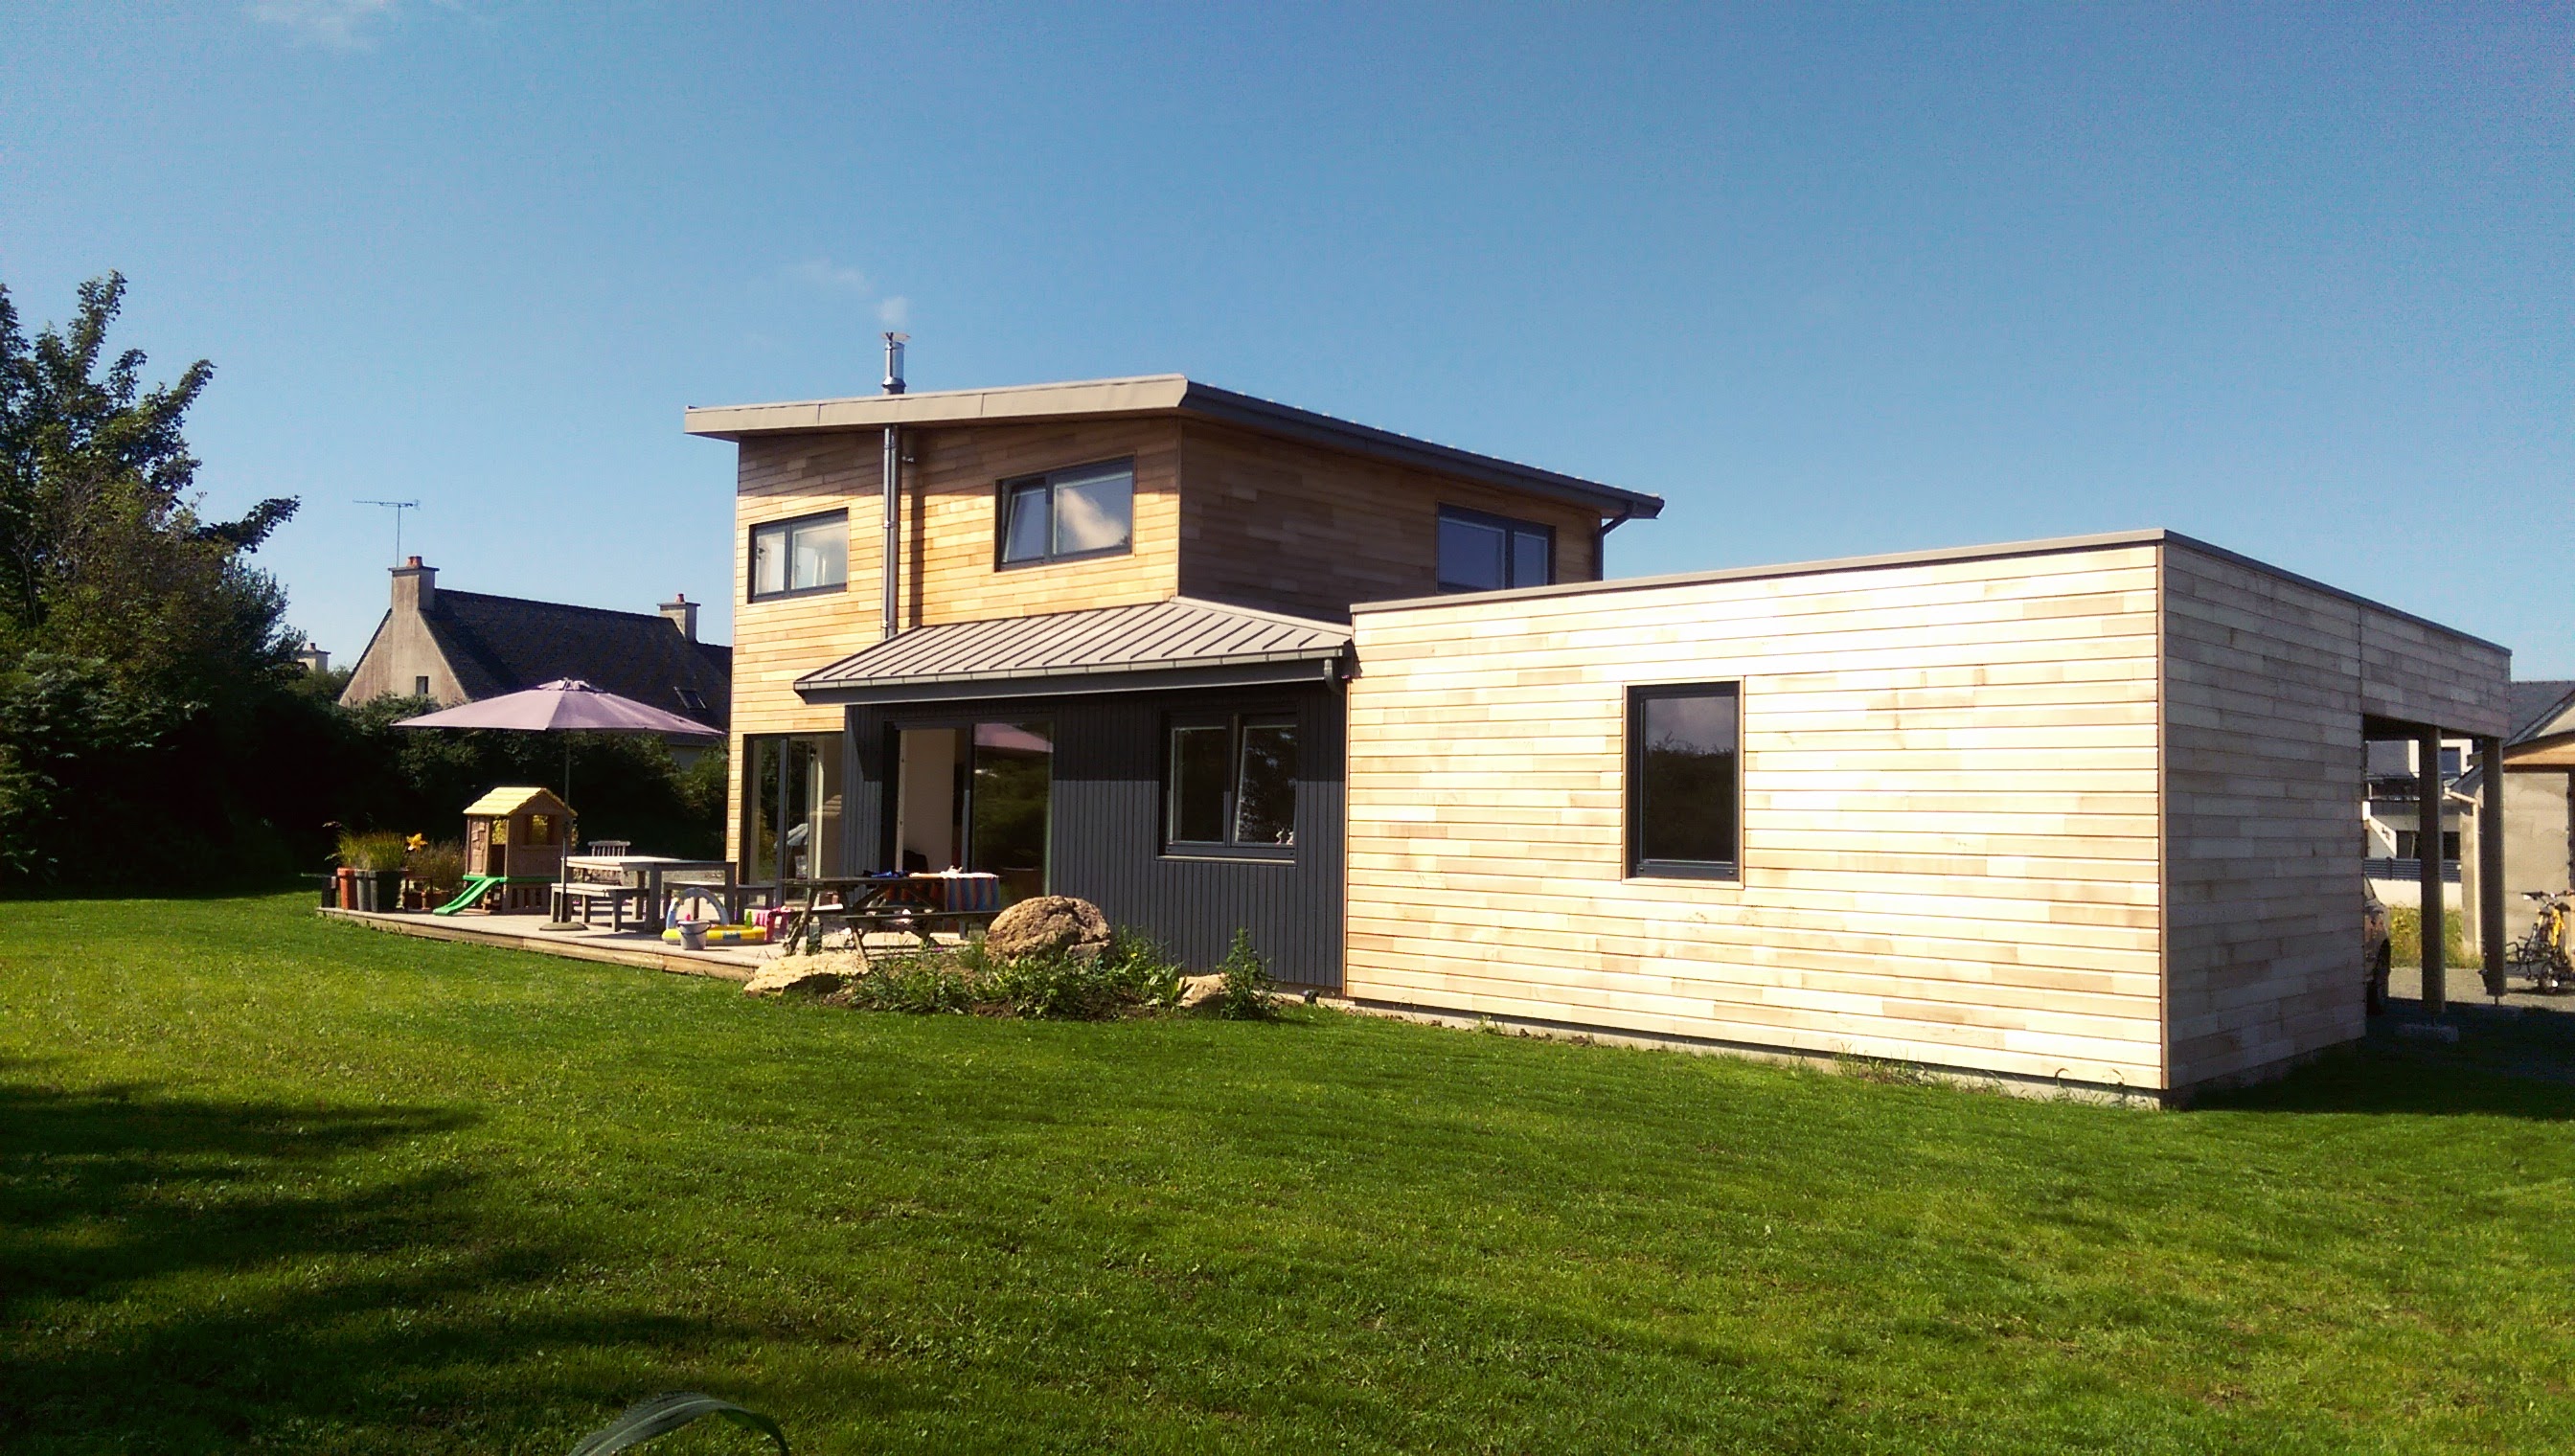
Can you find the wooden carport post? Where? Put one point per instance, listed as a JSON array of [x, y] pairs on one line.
[[2490, 931], [2427, 860]]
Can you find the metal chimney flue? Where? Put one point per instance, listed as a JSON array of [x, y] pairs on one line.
[[894, 362]]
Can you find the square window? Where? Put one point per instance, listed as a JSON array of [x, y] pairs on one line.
[[1068, 513], [1683, 780], [1231, 784]]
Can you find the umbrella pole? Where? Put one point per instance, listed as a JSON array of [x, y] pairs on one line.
[[563, 856]]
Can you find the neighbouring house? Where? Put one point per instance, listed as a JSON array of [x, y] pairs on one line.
[[2070, 812], [2391, 813], [457, 646], [2538, 798]]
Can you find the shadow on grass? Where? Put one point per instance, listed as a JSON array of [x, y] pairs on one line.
[[2506, 1064], [182, 1274]]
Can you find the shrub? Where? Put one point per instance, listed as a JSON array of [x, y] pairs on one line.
[[1243, 995], [1134, 973], [2405, 936], [381, 849], [438, 868], [1143, 968]]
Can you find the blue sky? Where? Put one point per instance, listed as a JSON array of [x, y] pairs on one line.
[[2297, 280]]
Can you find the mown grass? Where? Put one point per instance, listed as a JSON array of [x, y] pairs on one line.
[[270, 1183]]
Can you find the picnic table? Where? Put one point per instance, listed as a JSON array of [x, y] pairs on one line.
[[890, 901], [645, 880]]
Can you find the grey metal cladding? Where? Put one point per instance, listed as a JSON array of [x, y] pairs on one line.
[[1179, 635]]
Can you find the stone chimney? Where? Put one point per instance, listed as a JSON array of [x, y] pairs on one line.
[[415, 586], [683, 614], [315, 661]]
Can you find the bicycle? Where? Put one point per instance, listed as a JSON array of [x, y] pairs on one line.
[[2541, 954]]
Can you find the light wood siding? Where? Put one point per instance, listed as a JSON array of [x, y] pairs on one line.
[[951, 514], [954, 516], [1950, 849], [1293, 528], [2267, 680]]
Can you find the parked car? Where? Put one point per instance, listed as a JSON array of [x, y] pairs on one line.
[[2374, 951]]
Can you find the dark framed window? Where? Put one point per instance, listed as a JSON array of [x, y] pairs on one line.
[[1480, 553], [691, 699], [1067, 514], [809, 554], [1229, 784], [420, 686], [1685, 781]]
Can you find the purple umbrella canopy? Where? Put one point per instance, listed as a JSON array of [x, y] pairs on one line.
[[565, 704]]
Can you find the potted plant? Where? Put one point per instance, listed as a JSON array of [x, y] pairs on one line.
[[374, 861]]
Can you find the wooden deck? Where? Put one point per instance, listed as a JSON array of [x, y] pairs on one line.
[[520, 932]]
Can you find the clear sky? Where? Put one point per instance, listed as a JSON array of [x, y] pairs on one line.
[[2299, 280]]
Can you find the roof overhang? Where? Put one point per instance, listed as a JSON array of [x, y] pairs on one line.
[[1151, 395], [1172, 645]]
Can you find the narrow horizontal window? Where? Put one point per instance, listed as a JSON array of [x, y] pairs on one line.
[[1480, 553], [807, 555], [1683, 780], [1068, 513]]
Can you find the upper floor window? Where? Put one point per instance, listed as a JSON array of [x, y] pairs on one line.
[[1086, 510], [1684, 815], [810, 553], [1480, 553]]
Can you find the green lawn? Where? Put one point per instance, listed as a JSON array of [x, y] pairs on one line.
[[272, 1183]]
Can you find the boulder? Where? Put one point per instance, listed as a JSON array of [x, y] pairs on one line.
[[1197, 990], [802, 975], [1046, 923]]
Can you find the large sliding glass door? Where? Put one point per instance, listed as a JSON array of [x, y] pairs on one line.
[[976, 796], [791, 806]]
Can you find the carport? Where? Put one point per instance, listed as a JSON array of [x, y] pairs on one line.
[[2488, 900]]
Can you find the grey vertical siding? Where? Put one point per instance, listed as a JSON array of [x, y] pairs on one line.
[[1103, 838]]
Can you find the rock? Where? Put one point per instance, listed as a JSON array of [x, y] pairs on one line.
[[1197, 990], [1047, 922], [802, 975]]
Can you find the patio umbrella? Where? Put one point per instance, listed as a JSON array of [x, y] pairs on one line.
[[566, 705]]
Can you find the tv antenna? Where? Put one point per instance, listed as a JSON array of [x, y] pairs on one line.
[[397, 508]]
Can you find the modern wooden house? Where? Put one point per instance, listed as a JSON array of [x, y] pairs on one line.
[[1096, 638], [2076, 812]]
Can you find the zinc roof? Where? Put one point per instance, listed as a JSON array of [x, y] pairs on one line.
[[1177, 633]]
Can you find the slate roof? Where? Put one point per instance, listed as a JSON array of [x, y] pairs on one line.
[[1015, 653], [2531, 705], [498, 644]]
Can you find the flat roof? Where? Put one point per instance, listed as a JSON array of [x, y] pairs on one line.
[[1155, 393], [2048, 546]]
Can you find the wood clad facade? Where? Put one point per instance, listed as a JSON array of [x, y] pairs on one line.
[[1950, 850], [1295, 528], [2267, 681], [950, 571], [2084, 814], [1221, 512]]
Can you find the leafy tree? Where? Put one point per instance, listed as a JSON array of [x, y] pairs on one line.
[[138, 647]]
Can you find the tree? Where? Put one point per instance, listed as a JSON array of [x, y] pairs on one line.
[[137, 645]]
